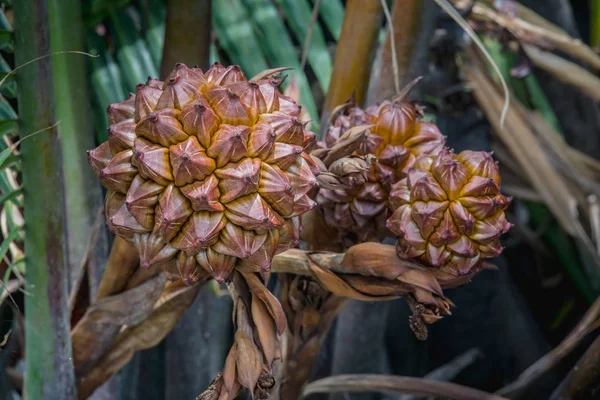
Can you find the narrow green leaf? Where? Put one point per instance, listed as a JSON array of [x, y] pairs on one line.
[[7, 39], [131, 52], [279, 48], [7, 241], [214, 55], [595, 23], [8, 161], [298, 15], [11, 195], [540, 102], [9, 87], [332, 13], [153, 14], [505, 62], [236, 37], [106, 83], [4, 24], [6, 185], [96, 11], [9, 270], [8, 126], [6, 110], [5, 154]]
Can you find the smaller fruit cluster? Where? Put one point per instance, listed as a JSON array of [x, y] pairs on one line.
[[398, 136], [446, 209], [449, 213]]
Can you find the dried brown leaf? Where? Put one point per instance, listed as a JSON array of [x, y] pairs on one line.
[[258, 289], [583, 381], [587, 324], [248, 361], [265, 327], [375, 259], [565, 71], [230, 382], [347, 144], [538, 31], [376, 287], [174, 300], [521, 142], [337, 285], [387, 383], [102, 321]]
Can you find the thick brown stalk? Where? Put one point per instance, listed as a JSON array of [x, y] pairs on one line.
[[353, 55], [187, 34], [412, 25], [372, 271], [122, 263]]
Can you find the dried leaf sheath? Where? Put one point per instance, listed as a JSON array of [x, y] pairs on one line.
[[173, 301], [259, 322], [310, 310]]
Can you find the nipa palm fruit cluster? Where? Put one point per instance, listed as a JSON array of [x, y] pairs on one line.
[[449, 213], [205, 170], [397, 137]]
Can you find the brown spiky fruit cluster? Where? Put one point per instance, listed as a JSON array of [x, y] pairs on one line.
[[206, 171], [449, 213], [398, 136]]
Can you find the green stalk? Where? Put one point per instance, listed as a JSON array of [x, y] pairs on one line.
[[595, 23], [48, 366], [73, 110]]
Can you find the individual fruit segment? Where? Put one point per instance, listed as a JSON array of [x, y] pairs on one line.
[[190, 162]]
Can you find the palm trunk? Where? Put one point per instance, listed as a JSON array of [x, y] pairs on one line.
[[49, 369]]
